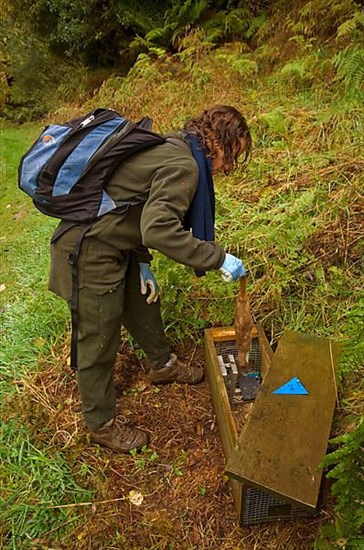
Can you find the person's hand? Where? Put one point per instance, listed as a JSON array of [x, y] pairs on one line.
[[148, 281], [232, 268]]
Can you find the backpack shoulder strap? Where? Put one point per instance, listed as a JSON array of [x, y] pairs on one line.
[[72, 260]]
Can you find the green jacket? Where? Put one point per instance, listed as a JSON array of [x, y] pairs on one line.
[[167, 176]]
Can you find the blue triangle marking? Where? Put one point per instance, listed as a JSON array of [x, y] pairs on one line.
[[292, 387]]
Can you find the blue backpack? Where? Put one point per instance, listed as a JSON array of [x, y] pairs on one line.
[[66, 169]]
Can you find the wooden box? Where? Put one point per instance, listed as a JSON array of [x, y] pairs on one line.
[[216, 341], [273, 458]]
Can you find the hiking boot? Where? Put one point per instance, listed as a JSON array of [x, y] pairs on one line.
[[176, 371], [119, 437]]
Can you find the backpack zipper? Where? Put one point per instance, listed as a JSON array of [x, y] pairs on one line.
[[87, 121]]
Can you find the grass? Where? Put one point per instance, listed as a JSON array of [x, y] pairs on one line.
[[38, 481], [33, 475], [32, 319], [295, 217]]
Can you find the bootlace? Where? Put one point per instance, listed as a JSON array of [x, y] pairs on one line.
[[121, 428]]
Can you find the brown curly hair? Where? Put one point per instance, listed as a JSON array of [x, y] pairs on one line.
[[226, 126]]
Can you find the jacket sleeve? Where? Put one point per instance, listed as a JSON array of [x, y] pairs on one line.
[[172, 189]]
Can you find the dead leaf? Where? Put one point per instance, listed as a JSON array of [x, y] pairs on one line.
[[199, 428], [196, 535], [136, 498], [2, 288], [19, 215]]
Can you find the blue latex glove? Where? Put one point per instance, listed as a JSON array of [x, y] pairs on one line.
[[148, 281], [232, 268]]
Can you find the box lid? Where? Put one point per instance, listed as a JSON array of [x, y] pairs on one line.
[[285, 438]]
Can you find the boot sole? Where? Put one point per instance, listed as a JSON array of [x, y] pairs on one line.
[[118, 449]]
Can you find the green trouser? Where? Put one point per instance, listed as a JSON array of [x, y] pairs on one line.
[[100, 317]]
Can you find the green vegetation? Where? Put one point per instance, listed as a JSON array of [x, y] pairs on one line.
[[31, 323], [295, 217], [34, 476], [38, 482]]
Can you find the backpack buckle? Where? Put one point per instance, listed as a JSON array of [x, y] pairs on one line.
[[72, 258]]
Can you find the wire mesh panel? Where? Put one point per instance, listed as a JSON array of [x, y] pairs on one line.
[[259, 506], [230, 348], [227, 348]]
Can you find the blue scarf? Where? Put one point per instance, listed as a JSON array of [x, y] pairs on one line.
[[200, 216]]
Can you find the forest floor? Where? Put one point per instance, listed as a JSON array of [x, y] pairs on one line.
[[173, 494]]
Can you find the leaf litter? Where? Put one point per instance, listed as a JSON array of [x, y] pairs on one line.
[[171, 495]]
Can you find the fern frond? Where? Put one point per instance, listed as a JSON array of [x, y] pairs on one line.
[[176, 19], [144, 11], [238, 20], [297, 67], [256, 24], [346, 28], [186, 13], [155, 11], [349, 64], [359, 16], [351, 25], [160, 35]]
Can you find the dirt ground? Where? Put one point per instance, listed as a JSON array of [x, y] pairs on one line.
[[173, 495]]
